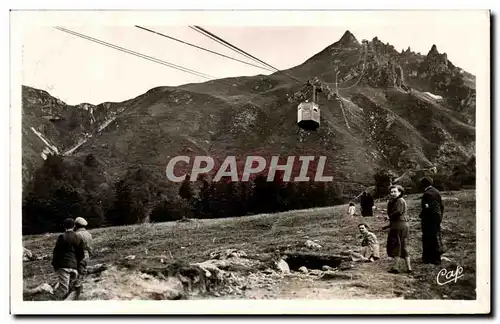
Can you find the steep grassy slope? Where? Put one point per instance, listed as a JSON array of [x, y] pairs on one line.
[[51, 126], [286, 232]]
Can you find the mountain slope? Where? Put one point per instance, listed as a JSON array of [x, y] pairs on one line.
[[395, 110]]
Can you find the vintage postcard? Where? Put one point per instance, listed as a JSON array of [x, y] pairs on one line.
[[250, 162]]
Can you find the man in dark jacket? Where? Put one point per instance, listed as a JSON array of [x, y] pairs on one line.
[[67, 259], [431, 217]]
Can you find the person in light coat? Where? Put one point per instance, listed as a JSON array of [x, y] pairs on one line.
[[351, 210]]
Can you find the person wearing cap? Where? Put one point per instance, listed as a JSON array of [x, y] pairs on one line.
[[67, 259], [80, 224], [431, 217]]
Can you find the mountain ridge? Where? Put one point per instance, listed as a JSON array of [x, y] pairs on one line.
[[389, 105]]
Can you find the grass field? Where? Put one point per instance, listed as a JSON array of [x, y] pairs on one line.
[[260, 234]]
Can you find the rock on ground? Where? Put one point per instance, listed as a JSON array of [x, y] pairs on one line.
[[312, 245], [283, 266], [334, 275], [228, 253], [28, 255]]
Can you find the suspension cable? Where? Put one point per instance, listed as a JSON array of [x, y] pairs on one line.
[[202, 48], [224, 43], [146, 57], [237, 49]]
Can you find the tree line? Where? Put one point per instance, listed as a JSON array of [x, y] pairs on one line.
[[457, 176], [68, 187]]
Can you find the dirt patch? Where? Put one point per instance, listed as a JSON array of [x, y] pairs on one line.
[[123, 284], [230, 272]]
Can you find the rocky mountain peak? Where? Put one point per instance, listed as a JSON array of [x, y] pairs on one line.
[[433, 50], [348, 39]]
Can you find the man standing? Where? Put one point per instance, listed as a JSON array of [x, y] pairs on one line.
[[186, 193], [431, 217], [67, 259], [366, 204]]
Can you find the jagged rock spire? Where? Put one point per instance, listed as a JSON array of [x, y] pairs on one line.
[[433, 50], [347, 39]]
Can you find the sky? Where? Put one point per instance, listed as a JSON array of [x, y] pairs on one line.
[[76, 70]]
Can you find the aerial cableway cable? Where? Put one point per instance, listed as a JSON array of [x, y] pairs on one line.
[[155, 60], [202, 48], [362, 71], [150, 58], [240, 51], [255, 95], [224, 43], [361, 74], [235, 48], [171, 65], [227, 44]]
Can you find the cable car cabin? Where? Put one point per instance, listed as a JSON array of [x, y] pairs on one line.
[[308, 115]]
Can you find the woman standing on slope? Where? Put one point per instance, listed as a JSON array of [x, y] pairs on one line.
[[398, 233]]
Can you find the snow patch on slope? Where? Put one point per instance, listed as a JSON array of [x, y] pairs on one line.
[[49, 149], [433, 96]]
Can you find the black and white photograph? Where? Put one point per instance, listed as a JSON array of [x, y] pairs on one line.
[[196, 162]]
